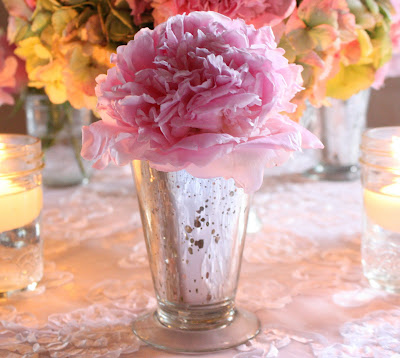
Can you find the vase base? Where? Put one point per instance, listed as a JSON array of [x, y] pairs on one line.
[[244, 327], [333, 173]]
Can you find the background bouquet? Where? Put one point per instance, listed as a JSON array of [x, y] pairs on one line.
[[340, 44], [392, 68], [66, 44]]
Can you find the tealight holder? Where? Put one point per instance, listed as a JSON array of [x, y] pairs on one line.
[[21, 258], [380, 160]]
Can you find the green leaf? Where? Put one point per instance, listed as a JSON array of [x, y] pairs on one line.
[[61, 18], [323, 36], [24, 31], [50, 5], [123, 16], [382, 47], [372, 6], [40, 21], [290, 54], [301, 40], [84, 16], [315, 15]]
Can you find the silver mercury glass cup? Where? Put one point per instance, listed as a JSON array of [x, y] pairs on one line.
[[195, 232], [340, 127]]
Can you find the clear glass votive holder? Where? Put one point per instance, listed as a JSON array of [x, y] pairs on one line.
[[380, 246], [21, 258]]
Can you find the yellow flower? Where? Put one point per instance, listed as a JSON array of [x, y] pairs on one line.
[[84, 63], [50, 77]]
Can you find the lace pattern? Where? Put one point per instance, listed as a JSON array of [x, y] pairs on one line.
[[301, 274]]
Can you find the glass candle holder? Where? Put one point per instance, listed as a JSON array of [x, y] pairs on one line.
[[380, 159], [21, 259]]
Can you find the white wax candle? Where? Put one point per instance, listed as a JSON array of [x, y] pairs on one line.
[[18, 206], [383, 207]]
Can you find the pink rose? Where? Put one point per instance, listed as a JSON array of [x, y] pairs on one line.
[[200, 92], [12, 72], [256, 12]]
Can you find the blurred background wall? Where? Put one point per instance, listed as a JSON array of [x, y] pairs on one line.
[[384, 104]]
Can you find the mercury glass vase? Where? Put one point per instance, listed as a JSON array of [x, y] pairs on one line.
[[59, 127], [194, 231], [340, 127]]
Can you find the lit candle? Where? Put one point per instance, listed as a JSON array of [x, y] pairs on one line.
[[18, 206], [383, 207], [21, 257]]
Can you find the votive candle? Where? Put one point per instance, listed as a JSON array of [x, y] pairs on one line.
[[380, 245], [21, 258]]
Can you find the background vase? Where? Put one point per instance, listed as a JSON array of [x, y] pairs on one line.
[[194, 231], [339, 127], [59, 127]]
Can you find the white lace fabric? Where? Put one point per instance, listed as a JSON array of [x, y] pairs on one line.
[[301, 274]]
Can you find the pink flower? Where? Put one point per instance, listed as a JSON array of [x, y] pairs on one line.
[[12, 72], [392, 68], [314, 36], [395, 27], [203, 93], [138, 8], [256, 12], [20, 8]]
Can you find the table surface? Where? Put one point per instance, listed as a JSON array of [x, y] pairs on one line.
[[301, 275]]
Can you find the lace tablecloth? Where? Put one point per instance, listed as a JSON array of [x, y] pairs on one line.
[[301, 275]]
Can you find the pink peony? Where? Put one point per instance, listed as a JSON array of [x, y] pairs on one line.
[[12, 72], [256, 12], [200, 92]]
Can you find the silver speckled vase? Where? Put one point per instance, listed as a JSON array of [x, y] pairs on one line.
[[339, 127], [195, 231]]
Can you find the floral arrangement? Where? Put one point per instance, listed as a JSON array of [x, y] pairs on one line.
[[256, 12], [392, 68], [67, 43], [340, 44], [12, 72], [201, 92]]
